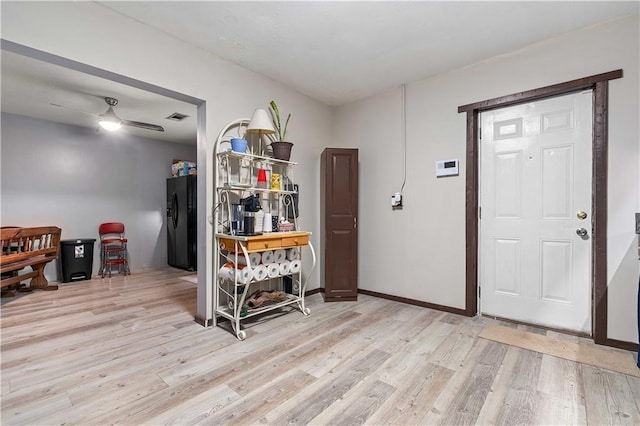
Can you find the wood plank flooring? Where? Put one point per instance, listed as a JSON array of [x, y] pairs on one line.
[[127, 351]]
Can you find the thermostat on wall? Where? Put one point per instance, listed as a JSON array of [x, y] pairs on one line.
[[447, 168]]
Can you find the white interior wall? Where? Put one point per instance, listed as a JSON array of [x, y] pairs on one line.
[[76, 178], [418, 252], [74, 30], [426, 239]]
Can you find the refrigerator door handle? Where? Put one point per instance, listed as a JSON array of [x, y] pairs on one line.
[[174, 208]]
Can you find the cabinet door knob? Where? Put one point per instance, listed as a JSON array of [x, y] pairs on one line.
[[266, 245]]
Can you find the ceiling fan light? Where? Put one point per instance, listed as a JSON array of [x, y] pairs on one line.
[[110, 121], [111, 125]]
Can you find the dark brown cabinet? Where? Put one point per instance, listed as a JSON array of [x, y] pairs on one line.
[[339, 223]]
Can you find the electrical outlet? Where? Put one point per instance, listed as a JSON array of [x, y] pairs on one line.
[[396, 200], [637, 223]]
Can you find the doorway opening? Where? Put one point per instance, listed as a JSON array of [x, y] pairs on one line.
[[203, 294]]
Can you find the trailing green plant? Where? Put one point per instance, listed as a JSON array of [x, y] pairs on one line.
[[242, 132], [281, 132]]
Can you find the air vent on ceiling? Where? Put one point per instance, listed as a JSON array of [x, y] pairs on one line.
[[176, 116]]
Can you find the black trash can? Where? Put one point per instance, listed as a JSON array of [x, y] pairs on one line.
[[76, 259]]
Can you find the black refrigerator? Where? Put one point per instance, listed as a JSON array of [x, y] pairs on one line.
[[181, 222]]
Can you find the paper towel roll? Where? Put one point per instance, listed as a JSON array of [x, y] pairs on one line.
[[267, 257], [254, 259], [260, 273], [293, 254], [285, 267], [295, 266], [273, 270], [227, 272], [279, 256]]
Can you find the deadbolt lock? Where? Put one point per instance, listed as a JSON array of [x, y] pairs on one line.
[[581, 215]]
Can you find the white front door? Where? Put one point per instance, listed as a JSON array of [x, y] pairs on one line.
[[535, 189]]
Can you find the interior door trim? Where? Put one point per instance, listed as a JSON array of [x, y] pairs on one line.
[[599, 83]]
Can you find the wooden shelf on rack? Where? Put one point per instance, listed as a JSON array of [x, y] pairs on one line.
[[266, 241]]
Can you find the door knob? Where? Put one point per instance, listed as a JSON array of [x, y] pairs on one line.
[[582, 232]]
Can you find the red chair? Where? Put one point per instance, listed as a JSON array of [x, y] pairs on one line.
[[113, 248]]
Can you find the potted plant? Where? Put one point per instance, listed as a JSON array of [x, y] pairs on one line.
[[281, 148], [239, 143]]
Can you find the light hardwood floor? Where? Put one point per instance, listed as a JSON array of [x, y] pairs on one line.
[[127, 351]]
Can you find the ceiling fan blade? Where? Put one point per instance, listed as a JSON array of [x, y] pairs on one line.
[[110, 113], [141, 125], [75, 110]]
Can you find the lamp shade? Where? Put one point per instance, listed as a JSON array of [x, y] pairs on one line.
[[260, 123]]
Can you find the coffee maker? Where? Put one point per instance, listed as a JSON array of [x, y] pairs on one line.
[[251, 206], [237, 219]]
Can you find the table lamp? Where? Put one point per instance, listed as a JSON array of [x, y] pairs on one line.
[[260, 124]]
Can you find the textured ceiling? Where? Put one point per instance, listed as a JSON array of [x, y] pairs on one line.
[[30, 86], [339, 52], [335, 52]]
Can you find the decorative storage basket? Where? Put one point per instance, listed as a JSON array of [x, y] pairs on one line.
[[285, 227]]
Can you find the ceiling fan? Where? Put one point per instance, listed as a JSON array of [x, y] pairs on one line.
[[110, 121]]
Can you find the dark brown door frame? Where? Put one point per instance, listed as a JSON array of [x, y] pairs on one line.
[[600, 85]]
